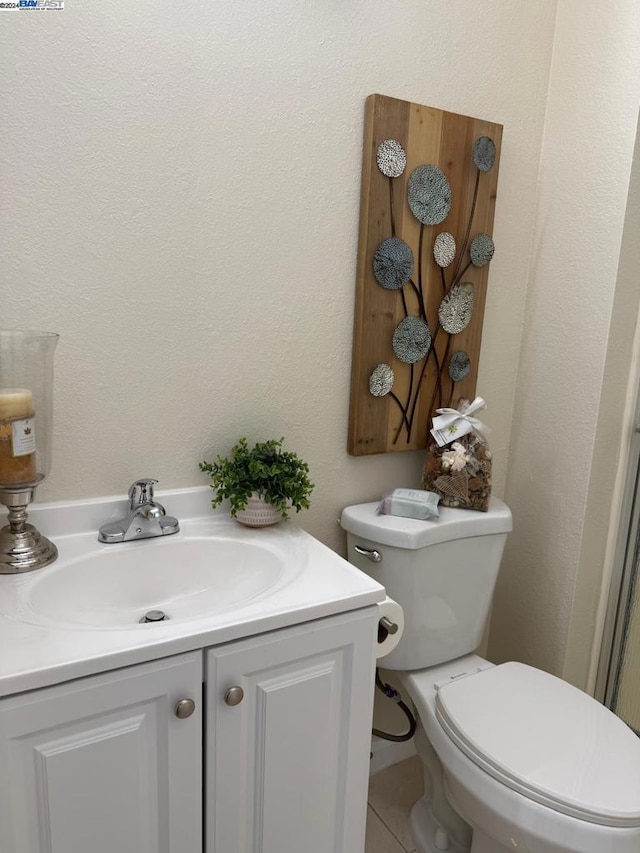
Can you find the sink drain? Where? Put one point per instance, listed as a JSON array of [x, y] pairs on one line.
[[155, 616]]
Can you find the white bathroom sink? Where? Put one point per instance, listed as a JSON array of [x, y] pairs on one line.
[[216, 580], [117, 585]]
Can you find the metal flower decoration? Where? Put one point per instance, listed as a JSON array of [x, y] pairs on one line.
[[484, 153], [393, 263], [381, 380], [444, 249], [391, 158], [411, 339], [456, 308], [423, 359], [481, 250], [429, 194], [459, 365]]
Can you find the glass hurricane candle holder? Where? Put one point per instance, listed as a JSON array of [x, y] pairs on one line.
[[26, 419]]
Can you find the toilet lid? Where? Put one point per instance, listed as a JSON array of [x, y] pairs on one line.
[[547, 740]]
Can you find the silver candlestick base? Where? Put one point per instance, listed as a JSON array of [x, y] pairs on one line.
[[22, 547]]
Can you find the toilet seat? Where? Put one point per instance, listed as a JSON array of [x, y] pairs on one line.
[[580, 759]]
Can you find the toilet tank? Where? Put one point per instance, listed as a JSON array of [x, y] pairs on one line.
[[442, 571]]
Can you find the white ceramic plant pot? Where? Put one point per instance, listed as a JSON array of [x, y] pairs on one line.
[[258, 513]]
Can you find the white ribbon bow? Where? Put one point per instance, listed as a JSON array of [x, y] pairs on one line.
[[448, 417]]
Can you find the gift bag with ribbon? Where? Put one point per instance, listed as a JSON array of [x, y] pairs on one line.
[[458, 463]]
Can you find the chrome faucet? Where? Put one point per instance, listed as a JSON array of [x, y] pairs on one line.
[[146, 517]]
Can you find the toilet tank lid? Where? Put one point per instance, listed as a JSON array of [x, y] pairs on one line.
[[398, 532]]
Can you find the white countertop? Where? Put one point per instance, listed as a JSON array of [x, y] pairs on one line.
[[34, 655]]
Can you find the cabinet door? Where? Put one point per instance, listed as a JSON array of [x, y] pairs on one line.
[[288, 765], [103, 764]]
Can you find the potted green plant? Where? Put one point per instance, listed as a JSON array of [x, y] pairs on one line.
[[262, 483]]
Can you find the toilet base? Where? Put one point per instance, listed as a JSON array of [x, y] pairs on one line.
[[483, 844], [435, 825], [428, 835]]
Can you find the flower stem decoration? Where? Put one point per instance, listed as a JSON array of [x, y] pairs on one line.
[[429, 198], [427, 204]]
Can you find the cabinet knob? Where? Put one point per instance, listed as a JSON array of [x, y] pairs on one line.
[[234, 696], [185, 708]]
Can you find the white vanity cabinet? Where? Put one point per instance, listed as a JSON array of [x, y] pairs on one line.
[[104, 764], [288, 738]]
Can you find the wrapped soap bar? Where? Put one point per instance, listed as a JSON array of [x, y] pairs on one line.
[[410, 503]]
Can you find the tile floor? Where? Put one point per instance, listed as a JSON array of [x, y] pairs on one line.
[[392, 792]]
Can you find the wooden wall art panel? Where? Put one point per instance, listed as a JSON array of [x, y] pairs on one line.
[[429, 181]]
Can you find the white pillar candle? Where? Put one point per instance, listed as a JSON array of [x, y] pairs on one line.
[[15, 403], [17, 437]]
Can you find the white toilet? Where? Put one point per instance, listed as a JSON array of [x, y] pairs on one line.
[[514, 759]]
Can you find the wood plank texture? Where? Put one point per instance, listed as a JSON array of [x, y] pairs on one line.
[[446, 140]]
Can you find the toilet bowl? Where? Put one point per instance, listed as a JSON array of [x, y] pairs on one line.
[[514, 759], [571, 786]]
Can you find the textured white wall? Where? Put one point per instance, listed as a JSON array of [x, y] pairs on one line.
[[584, 175], [599, 560], [182, 207]]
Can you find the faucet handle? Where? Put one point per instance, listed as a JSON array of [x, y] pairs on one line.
[[141, 492]]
